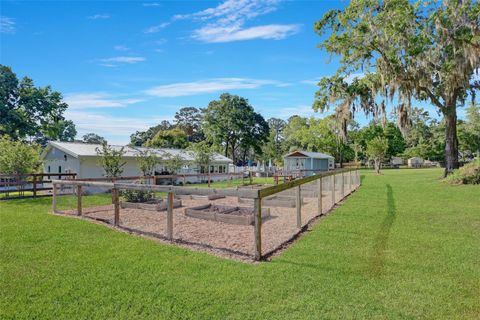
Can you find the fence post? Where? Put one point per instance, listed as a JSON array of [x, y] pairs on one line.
[[116, 207], [319, 182], [333, 190], [54, 198], [350, 181], [343, 185], [257, 215], [298, 205], [34, 182], [170, 216], [79, 200]]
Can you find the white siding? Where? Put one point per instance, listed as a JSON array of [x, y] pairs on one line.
[[57, 159]]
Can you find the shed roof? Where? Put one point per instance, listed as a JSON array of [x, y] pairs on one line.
[[308, 154], [78, 149]]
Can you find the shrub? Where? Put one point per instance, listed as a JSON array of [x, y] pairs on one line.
[[17, 157], [468, 174], [137, 195]]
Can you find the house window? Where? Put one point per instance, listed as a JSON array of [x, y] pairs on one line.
[[59, 169], [65, 157], [212, 169], [48, 169]]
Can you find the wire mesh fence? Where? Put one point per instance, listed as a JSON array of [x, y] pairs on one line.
[[244, 222]]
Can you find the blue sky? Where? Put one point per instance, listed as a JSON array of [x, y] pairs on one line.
[[124, 66]]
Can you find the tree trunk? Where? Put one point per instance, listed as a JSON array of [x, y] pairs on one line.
[[451, 140]]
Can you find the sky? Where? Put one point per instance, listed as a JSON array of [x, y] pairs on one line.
[[124, 66]]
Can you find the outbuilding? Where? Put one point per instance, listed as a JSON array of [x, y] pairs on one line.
[[83, 159], [308, 163], [415, 162]]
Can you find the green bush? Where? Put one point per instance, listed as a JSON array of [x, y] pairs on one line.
[[137, 195], [468, 174]]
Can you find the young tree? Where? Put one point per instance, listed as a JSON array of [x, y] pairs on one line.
[[173, 163], [274, 148], [427, 51], [146, 161], [93, 138], [376, 151], [111, 160], [203, 156], [18, 158]]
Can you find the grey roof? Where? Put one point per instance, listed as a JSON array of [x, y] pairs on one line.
[[78, 149], [308, 154]]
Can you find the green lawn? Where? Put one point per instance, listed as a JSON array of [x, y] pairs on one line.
[[404, 246]]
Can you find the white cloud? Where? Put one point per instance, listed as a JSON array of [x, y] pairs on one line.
[[121, 48], [115, 129], [348, 79], [208, 86], [157, 28], [7, 25], [312, 82], [151, 4], [272, 31], [301, 110], [99, 16], [226, 22], [115, 61], [97, 100]]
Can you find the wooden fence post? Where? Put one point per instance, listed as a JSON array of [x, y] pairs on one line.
[[54, 198], [298, 205], [79, 200], [257, 214], [116, 207], [350, 181], [343, 185], [319, 182], [34, 182], [170, 216], [333, 189]]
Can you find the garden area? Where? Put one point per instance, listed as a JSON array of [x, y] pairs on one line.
[[404, 245]]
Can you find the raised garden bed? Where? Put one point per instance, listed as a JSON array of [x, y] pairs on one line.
[[197, 197], [226, 214], [275, 201], [153, 205]]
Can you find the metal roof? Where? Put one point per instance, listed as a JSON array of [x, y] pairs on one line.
[[78, 149], [308, 154]]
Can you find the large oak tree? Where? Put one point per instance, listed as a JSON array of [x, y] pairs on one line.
[[30, 112], [426, 50], [232, 123]]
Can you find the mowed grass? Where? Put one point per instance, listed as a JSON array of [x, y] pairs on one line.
[[404, 246]]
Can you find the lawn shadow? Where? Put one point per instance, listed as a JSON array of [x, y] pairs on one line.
[[377, 262]]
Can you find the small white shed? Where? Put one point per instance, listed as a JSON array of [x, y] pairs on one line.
[[308, 162], [396, 161], [415, 162]]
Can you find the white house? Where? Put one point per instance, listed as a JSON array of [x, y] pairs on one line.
[[308, 162], [82, 159], [415, 162], [396, 161]]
